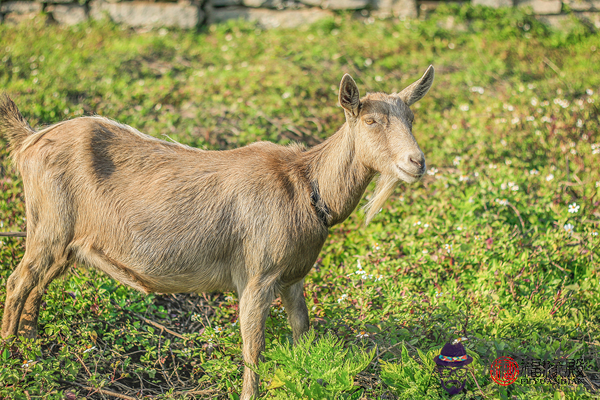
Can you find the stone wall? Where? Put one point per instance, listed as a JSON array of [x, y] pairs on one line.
[[553, 12], [268, 13]]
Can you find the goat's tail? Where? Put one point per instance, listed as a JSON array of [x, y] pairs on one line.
[[12, 124]]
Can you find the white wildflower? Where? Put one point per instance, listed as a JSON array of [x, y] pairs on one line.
[[550, 177], [432, 171], [569, 228], [561, 102], [534, 172], [456, 160], [477, 89], [462, 339], [573, 208], [464, 107]]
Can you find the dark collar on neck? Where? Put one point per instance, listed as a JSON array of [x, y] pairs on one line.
[[321, 208]]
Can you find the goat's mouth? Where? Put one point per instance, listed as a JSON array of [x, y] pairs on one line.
[[409, 177]]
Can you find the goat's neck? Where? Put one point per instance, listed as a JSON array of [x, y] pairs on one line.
[[342, 178]]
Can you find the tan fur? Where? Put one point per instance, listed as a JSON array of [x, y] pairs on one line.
[[164, 217]]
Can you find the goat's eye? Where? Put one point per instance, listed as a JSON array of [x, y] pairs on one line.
[[369, 121]]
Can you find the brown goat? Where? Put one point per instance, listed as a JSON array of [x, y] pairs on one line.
[[164, 217]]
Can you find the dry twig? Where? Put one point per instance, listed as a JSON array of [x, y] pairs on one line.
[[156, 324], [13, 234], [103, 391]]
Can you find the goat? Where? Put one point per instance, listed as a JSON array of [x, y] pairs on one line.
[[165, 217]]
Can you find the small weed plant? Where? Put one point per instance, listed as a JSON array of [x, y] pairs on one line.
[[410, 379], [314, 369]]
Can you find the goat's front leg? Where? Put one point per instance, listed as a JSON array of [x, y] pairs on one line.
[[254, 307], [295, 305]]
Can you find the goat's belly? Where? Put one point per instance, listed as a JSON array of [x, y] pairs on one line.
[[159, 275], [202, 278]]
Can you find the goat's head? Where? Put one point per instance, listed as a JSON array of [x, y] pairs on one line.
[[382, 126]]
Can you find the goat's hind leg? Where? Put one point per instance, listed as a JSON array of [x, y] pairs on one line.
[[25, 288], [28, 324], [295, 305]]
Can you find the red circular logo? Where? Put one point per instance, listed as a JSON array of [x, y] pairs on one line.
[[504, 371]]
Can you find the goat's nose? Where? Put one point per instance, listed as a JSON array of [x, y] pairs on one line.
[[418, 161]]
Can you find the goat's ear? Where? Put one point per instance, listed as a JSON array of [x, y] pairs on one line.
[[419, 89], [349, 98]]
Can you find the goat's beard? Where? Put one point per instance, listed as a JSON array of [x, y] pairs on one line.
[[383, 190]]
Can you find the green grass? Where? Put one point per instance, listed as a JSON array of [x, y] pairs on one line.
[[477, 249]]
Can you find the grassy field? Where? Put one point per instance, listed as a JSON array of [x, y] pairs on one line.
[[499, 244]]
